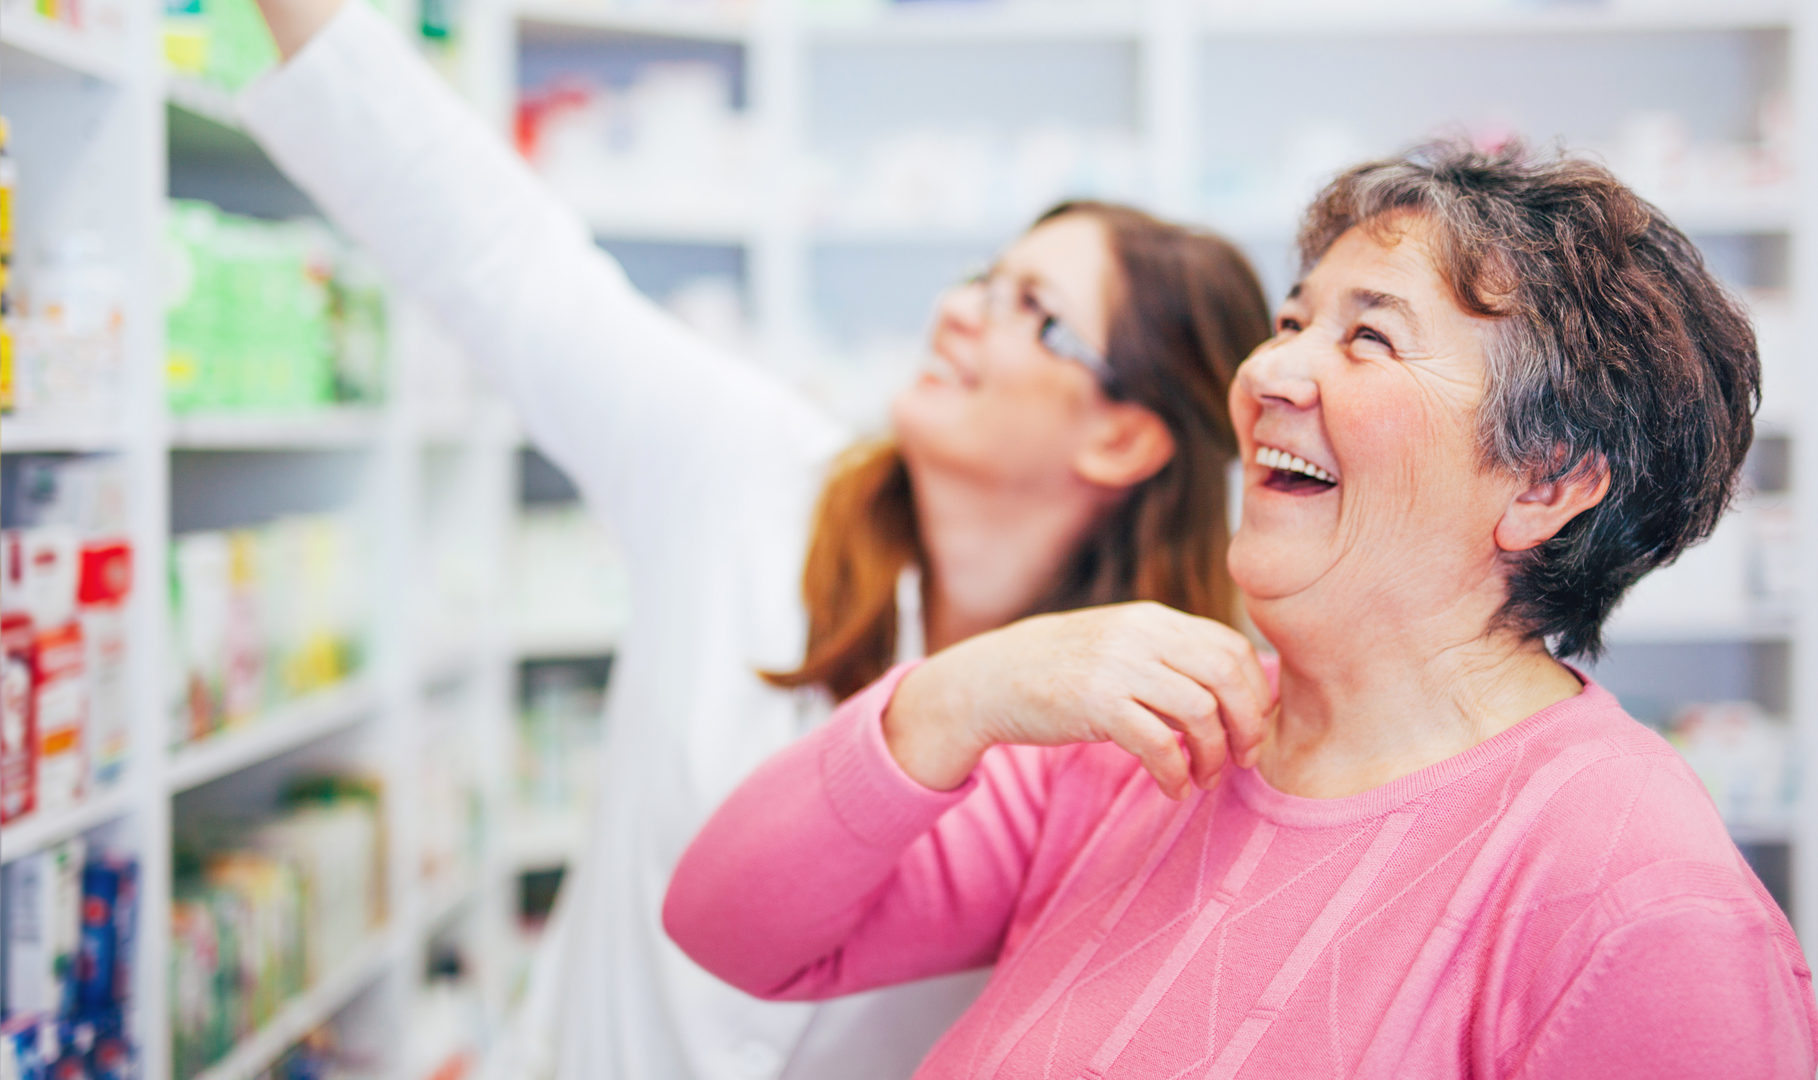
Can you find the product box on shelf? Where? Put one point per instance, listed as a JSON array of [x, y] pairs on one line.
[[67, 580], [71, 914], [262, 616], [261, 913], [223, 42], [276, 316]]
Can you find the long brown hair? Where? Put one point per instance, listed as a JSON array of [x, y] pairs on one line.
[[1187, 309]]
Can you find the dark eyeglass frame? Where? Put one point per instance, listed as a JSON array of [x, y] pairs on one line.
[[1051, 333]]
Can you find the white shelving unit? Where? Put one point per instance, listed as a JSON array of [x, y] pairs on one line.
[[429, 468]]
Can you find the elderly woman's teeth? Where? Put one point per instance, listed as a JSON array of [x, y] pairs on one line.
[[1270, 458]]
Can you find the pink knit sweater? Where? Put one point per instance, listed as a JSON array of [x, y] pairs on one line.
[[1560, 901]]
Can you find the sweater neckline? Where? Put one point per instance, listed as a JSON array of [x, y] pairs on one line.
[[1298, 811]]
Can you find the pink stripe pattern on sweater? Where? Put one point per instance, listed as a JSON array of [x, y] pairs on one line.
[[1559, 901]]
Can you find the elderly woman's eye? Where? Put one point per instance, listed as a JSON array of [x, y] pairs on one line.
[[1365, 333]]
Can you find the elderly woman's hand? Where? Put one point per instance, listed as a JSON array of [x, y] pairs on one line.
[[1143, 676]]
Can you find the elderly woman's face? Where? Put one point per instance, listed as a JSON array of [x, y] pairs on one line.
[[1372, 382]]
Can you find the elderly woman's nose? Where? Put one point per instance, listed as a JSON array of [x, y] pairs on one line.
[[1283, 373]]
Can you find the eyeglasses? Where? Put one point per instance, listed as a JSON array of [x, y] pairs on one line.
[[1001, 300]]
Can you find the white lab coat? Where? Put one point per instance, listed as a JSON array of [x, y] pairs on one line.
[[707, 469]]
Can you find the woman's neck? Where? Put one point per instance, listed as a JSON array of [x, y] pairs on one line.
[[1352, 719], [992, 554]]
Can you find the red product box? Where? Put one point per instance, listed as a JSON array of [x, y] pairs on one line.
[[18, 717]]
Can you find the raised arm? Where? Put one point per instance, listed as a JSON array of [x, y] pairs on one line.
[[640, 410]]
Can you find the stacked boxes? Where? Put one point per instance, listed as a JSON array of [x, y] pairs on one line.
[[268, 316], [262, 616], [70, 918], [64, 723], [223, 42], [258, 916]]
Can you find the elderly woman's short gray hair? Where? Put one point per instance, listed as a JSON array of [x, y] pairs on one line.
[[1615, 349]]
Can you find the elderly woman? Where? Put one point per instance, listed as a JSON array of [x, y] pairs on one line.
[[1504, 389]]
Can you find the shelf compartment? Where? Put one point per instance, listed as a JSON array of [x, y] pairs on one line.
[[37, 831], [1265, 20], [443, 896], [547, 20], [940, 24], [58, 437], [200, 99], [307, 1011], [669, 227], [571, 644], [308, 430], [34, 47], [282, 729]]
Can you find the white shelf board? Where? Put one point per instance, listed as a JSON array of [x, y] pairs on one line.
[[307, 1011], [326, 428], [708, 226], [566, 643], [993, 21], [540, 839], [34, 47], [444, 662], [50, 436], [556, 19], [916, 236], [37, 831], [1761, 832], [1619, 632], [193, 96], [443, 895], [1622, 17], [283, 728]]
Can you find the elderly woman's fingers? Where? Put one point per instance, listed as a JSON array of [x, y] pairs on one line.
[[1144, 736], [1225, 663], [1192, 710]]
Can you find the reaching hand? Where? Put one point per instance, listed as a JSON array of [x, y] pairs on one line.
[[294, 22], [1140, 675]]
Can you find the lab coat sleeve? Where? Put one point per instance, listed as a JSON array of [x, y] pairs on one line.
[[831, 871], [642, 412]]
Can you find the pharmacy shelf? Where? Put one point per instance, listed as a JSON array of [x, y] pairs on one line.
[[915, 236], [959, 23], [51, 437], [193, 96], [307, 1011], [1438, 20], [536, 840], [1761, 630], [282, 729], [446, 662], [34, 47], [445, 895], [37, 831], [567, 643], [554, 19], [322, 429], [707, 225], [1761, 832]]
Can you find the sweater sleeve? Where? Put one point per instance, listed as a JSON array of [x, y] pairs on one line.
[[1698, 981], [831, 871], [631, 403]]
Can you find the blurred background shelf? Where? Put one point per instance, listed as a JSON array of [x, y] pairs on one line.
[[277, 731], [28, 437], [39, 830], [307, 1011], [324, 429], [34, 47]]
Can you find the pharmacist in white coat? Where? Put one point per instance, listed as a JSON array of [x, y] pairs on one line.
[[1065, 447]]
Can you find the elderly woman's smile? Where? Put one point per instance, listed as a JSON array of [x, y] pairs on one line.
[[1357, 421]]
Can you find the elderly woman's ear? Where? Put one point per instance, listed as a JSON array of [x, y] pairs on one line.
[[1540, 510]]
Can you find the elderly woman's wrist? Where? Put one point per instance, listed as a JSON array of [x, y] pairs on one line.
[[926, 732]]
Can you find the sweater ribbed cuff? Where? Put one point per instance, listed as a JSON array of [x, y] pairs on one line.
[[872, 795]]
